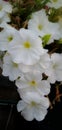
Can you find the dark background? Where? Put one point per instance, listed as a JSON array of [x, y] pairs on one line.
[[10, 119]]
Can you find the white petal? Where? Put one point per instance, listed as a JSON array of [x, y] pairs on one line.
[[44, 87], [7, 7], [40, 114], [27, 113], [44, 102], [58, 75], [55, 3], [21, 105]]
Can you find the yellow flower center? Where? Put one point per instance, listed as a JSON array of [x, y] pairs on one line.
[[33, 103], [32, 83], [40, 27], [15, 65], [27, 44], [10, 38], [0, 8], [55, 66], [55, 0]]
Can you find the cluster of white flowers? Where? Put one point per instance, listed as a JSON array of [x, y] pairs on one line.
[[25, 59]]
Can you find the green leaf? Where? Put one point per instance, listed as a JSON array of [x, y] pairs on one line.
[[60, 41], [45, 39]]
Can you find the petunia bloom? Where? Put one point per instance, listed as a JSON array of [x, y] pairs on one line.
[[32, 82], [33, 106], [55, 73], [40, 24], [27, 49]]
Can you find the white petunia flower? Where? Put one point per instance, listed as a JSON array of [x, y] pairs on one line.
[[5, 7], [7, 35], [53, 31], [5, 19], [46, 67], [55, 3], [10, 68], [33, 106], [56, 68], [40, 24], [32, 82], [40, 66], [27, 49]]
